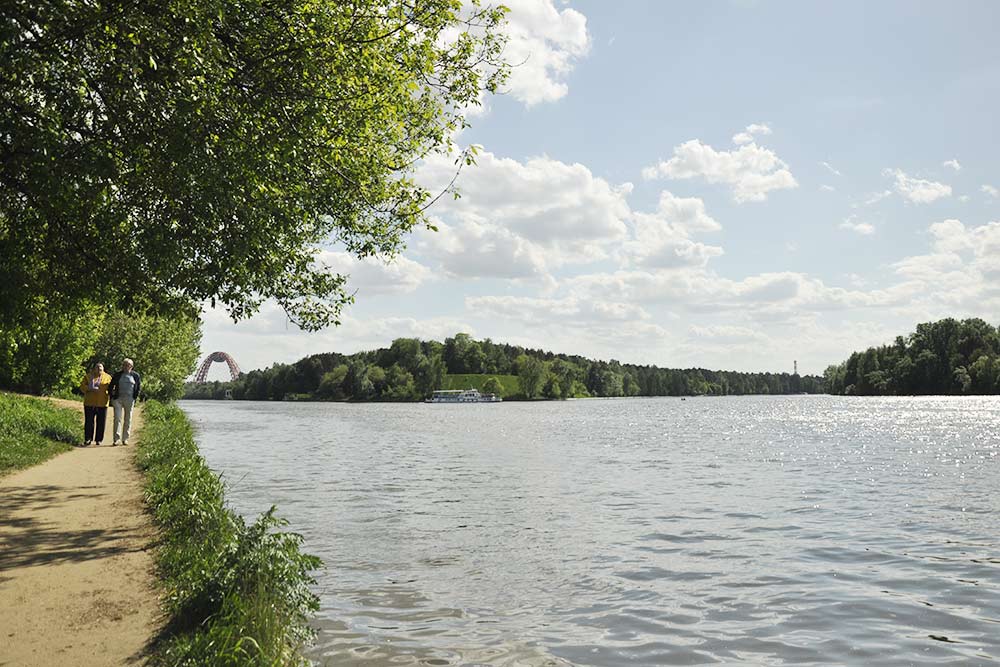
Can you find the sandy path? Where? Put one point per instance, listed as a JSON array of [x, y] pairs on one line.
[[77, 578]]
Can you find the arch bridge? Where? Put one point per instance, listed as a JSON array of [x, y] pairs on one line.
[[234, 369]]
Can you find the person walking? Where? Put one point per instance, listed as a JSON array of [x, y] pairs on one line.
[[125, 386], [95, 387]]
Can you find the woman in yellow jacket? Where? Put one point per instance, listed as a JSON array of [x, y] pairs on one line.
[[95, 404]]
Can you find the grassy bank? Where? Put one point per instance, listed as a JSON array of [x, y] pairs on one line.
[[33, 430], [237, 594], [510, 385]]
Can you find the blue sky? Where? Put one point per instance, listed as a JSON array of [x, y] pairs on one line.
[[724, 184]]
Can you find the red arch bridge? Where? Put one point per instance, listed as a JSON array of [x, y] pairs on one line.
[[202, 374]]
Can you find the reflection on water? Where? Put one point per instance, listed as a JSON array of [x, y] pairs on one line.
[[743, 530]]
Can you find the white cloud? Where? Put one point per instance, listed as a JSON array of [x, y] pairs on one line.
[[670, 252], [950, 236], [863, 228], [475, 250], [952, 164], [685, 213], [535, 310], [751, 170], [544, 45], [960, 274], [877, 197], [727, 334], [370, 333], [990, 190], [830, 168], [917, 190], [827, 188], [661, 239], [372, 276], [698, 290], [747, 136], [519, 219]]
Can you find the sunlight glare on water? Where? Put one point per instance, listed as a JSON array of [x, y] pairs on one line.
[[740, 530]]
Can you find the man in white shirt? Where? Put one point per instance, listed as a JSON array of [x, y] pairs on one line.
[[124, 390]]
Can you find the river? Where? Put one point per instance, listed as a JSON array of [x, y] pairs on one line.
[[741, 530]]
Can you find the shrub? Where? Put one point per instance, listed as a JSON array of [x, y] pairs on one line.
[[237, 594]]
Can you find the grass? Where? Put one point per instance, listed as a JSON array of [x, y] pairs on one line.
[[477, 380], [237, 594], [33, 430]]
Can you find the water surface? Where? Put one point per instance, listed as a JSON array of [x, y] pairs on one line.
[[740, 530]]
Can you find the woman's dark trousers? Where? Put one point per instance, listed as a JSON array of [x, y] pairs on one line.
[[93, 423]]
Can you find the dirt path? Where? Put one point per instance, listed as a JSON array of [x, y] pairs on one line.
[[77, 579]]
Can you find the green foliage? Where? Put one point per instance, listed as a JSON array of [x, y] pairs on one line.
[[944, 357], [508, 383], [33, 430], [48, 352], [164, 348], [331, 386], [411, 369], [237, 594], [168, 153], [565, 374], [493, 386], [530, 374], [399, 385]]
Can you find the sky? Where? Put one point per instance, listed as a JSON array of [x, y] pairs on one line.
[[727, 184]]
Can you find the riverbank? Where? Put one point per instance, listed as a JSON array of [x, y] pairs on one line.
[[78, 579], [92, 540], [236, 593]]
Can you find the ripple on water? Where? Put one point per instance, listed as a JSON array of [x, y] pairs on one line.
[[756, 530]]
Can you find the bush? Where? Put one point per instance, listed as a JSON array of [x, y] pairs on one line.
[[237, 594]]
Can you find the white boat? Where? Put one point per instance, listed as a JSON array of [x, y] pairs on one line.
[[462, 396]]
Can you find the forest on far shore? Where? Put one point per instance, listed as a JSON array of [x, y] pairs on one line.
[[410, 369], [945, 357]]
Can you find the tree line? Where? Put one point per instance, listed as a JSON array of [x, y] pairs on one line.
[[50, 354], [945, 357], [410, 369]]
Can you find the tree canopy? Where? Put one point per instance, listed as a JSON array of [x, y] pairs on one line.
[[50, 355], [945, 357], [202, 150]]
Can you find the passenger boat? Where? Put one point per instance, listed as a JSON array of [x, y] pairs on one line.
[[462, 396]]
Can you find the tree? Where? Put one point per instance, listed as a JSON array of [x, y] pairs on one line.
[[566, 374], [962, 380], [943, 357], [50, 351], [630, 385], [164, 349], [429, 374], [205, 149], [985, 373], [357, 384], [400, 386], [456, 353], [331, 385], [493, 386], [550, 386], [530, 372]]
